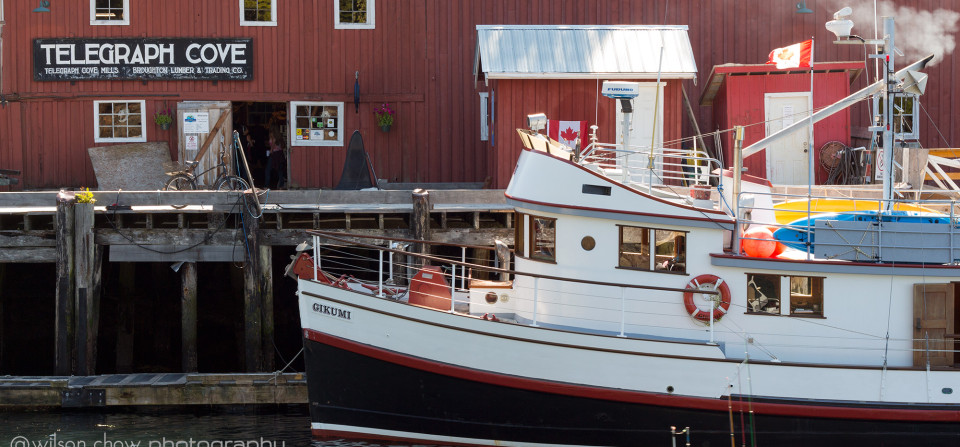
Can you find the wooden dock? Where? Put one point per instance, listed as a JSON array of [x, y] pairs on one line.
[[191, 227], [151, 390]]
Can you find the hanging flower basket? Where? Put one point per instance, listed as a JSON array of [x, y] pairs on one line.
[[165, 126], [384, 116]]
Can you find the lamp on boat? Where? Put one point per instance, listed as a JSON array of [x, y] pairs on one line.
[[44, 6], [537, 122], [802, 8]]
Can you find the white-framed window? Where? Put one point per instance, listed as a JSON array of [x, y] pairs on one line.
[[119, 121], [258, 12], [109, 12], [354, 14], [315, 123], [904, 115]]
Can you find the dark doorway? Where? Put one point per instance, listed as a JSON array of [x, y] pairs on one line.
[[256, 121]]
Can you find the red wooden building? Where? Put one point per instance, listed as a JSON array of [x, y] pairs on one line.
[[765, 99], [559, 71], [415, 55]]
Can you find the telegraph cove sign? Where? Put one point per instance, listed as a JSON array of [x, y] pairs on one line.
[[159, 59]]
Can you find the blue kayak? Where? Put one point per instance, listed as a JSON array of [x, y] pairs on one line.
[[794, 234]]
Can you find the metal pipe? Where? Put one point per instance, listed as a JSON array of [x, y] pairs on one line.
[[380, 275], [737, 172], [453, 287], [536, 293]]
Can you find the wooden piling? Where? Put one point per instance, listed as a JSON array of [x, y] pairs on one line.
[[188, 316], [126, 314], [420, 222], [252, 298], [64, 344], [87, 293], [266, 309]]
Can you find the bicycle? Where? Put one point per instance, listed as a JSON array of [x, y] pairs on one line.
[[183, 178]]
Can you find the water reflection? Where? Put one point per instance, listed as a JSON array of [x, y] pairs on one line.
[[288, 427]]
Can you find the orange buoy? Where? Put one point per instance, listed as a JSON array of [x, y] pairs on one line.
[[780, 247], [758, 242]]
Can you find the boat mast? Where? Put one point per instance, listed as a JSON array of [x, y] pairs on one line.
[[890, 81]]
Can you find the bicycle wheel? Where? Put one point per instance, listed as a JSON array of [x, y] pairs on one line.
[[180, 182], [232, 183]]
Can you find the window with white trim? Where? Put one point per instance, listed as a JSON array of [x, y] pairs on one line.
[[904, 115], [109, 12], [316, 123], [258, 12], [354, 14], [119, 122]]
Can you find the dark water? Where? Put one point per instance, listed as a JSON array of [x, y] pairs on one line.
[[138, 429]]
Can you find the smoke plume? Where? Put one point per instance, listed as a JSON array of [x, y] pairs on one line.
[[918, 32]]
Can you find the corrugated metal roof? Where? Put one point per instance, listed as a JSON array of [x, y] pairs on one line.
[[569, 51]]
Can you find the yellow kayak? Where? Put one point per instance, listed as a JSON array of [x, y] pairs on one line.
[[787, 212]]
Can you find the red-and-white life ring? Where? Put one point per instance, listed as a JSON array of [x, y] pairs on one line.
[[707, 283]]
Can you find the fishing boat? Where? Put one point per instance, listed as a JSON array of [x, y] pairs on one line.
[[626, 313]]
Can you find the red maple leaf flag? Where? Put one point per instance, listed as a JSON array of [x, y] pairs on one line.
[[793, 56], [566, 132]]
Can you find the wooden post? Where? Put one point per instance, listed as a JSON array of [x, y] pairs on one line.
[[188, 316], [420, 222], [126, 320], [3, 271], [266, 310], [87, 301], [252, 298], [64, 361]]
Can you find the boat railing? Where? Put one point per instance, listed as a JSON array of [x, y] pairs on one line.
[[669, 166], [586, 306], [872, 240]]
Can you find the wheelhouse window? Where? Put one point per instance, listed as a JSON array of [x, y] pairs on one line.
[[258, 12], [806, 296], [316, 123], [109, 12], [354, 14], [668, 249], [119, 122], [763, 294], [543, 238]]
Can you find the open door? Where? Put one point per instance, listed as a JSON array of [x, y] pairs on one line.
[[197, 123], [933, 313]]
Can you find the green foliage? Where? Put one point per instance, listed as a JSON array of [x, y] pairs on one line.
[[85, 197]]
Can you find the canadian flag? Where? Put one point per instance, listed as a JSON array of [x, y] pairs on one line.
[[566, 132], [796, 55]]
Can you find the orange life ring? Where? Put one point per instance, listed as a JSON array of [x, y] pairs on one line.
[[708, 283]]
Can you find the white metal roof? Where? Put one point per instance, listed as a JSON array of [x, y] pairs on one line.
[[583, 52]]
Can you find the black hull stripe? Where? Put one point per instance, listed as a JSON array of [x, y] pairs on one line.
[[766, 407]]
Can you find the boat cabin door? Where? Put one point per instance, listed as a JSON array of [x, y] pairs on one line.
[[787, 160], [642, 132], [934, 327]]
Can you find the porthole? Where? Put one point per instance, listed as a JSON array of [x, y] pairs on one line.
[[491, 297], [588, 243], [947, 391], [670, 389], [504, 297]]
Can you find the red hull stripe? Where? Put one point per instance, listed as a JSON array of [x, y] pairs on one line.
[[662, 400]]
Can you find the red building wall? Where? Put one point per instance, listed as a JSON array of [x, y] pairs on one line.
[[419, 58], [740, 102], [562, 99]]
